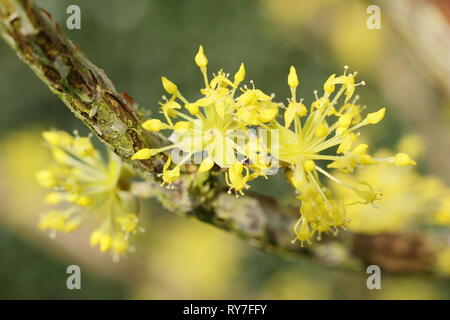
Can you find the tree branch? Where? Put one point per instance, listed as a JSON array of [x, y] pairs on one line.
[[92, 97]]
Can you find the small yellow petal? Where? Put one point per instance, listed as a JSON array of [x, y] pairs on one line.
[[152, 125], [182, 125], [203, 102], [292, 110], [322, 131], [240, 74], [293, 78], [345, 121], [220, 108], [300, 109], [206, 165], [53, 198], [169, 86], [376, 117], [366, 160], [72, 225], [200, 58], [267, 115], [402, 159], [83, 201], [52, 137], [309, 165], [105, 242], [192, 108], [303, 233], [59, 155], [119, 244], [46, 178], [128, 222], [95, 238], [142, 154], [329, 85], [361, 149], [57, 138], [171, 175]]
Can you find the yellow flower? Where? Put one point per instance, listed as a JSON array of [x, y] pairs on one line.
[[236, 179], [302, 231], [58, 221], [305, 142], [128, 222], [170, 175], [216, 126], [87, 186]]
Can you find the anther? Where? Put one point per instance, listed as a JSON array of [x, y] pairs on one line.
[[315, 94]]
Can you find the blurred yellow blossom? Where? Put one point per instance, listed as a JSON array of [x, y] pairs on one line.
[[87, 187], [190, 259], [409, 198], [16, 168], [290, 285], [342, 28]]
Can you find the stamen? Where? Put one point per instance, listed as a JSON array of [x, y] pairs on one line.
[[182, 98], [359, 125], [184, 116], [316, 184], [205, 76], [183, 161], [334, 179]]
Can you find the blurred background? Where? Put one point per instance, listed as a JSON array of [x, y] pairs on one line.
[[404, 64]]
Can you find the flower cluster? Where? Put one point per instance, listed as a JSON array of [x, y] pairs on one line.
[[221, 126], [326, 134], [84, 185], [215, 128]]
